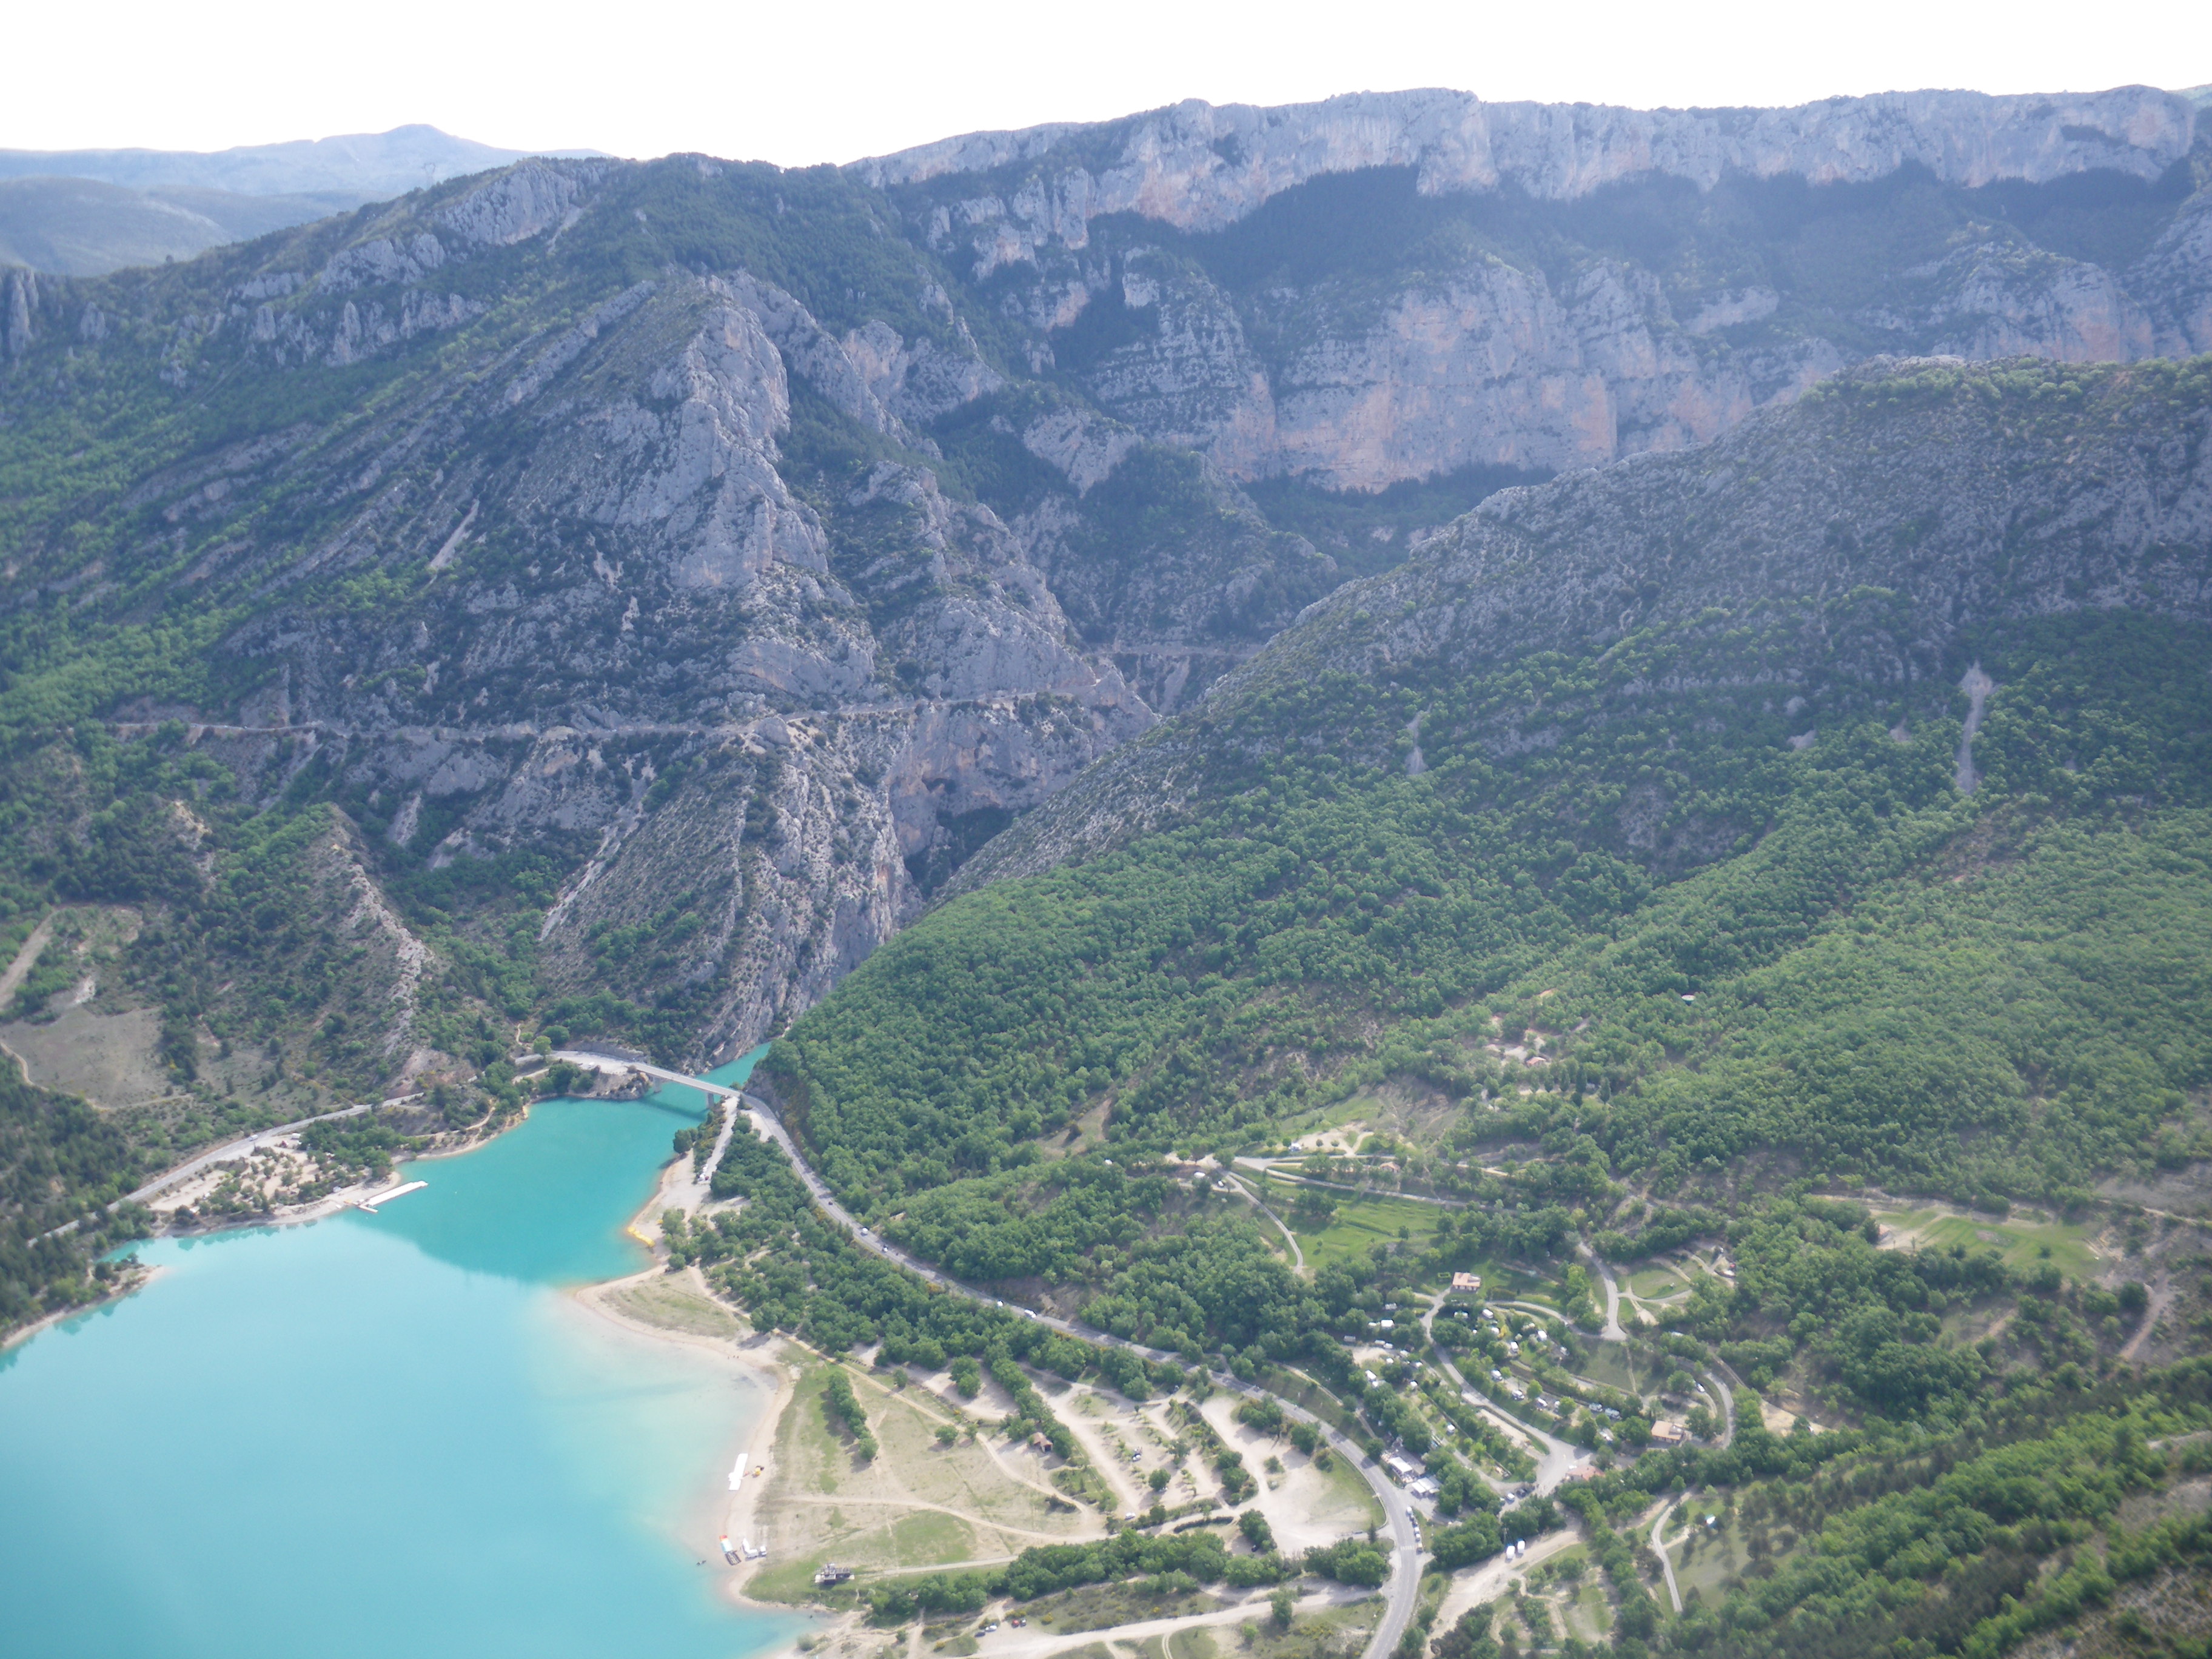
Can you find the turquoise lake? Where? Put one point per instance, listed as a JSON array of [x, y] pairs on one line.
[[386, 1434]]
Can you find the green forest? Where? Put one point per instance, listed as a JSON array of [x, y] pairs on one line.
[[1748, 906], [1212, 980]]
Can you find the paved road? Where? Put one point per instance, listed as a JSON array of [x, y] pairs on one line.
[[245, 1146], [1402, 1589], [1612, 1332], [1558, 1459], [1716, 1375]]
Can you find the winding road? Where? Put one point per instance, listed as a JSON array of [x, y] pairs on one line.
[[245, 1146], [1613, 1332], [1558, 1459], [1402, 1589]]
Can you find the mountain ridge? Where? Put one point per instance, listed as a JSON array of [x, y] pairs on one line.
[[370, 165], [582, 526], [84, 213], [1569, 566]]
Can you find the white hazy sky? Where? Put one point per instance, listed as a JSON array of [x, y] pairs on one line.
[[797, 82]]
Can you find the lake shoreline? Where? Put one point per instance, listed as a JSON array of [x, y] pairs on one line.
[[449, 1357], [474, 1137], [762, 1358]]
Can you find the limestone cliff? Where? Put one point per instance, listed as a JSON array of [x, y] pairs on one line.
[[1840, 555], [1621, 280], [730, 553]]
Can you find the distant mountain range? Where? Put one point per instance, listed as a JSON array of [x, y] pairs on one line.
[[85, 212]]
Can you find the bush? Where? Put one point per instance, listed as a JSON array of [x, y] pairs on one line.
[[843, 1410], [1475, 1538], [1349, 1561]]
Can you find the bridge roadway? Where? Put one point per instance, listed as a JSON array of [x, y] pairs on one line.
[[1403, 1587]]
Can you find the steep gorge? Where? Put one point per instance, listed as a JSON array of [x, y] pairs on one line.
[[699, 562]]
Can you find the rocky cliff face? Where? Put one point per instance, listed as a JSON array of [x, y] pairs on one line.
[[763, 703], [1199, 166], [749, 548], [1532, 317]]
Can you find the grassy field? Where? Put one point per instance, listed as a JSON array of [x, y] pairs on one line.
[[673, 1305], [1338, 1633], [2022, 1243], [1351, 1488], [1362, 1223], [916, 1504], [1710, 1560], [1655, 1281], [1589, 1614], [1505, 1281], [1609, 1363], [1101, 1607]]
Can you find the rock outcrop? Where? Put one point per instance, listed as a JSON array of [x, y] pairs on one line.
[[1201, 166], [1547, 351], [748, 547]]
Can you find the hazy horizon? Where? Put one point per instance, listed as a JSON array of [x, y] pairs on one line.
[[839, 84]]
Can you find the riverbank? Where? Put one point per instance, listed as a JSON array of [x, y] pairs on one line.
[[452, 1144], [680, 1308], [127, 1283]]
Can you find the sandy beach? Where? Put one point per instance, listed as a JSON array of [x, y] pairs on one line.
[[681, 1307], [723, 1502]]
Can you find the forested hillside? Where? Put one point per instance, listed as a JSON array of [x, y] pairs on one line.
[[1668, 762], [609, 599], [1704, 860], [1269, 707]]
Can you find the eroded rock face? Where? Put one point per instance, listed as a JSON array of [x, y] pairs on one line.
[[752, 547], [764, 718], [1200, 166], [1490, 366], [1507, 354]]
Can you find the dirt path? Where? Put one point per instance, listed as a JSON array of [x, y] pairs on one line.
[[1028, 1643], [1659, 1547], [1296, 1179], [1297, 1256], [2161, 1298]]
